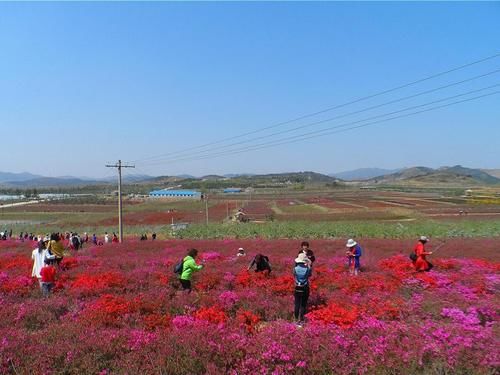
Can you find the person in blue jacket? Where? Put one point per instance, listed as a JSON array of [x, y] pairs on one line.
[[301, 272], [354, 252]]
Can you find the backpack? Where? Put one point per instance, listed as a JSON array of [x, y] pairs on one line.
[[360, 250], [179, 267]]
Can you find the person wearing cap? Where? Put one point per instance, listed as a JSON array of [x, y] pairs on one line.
[[354, 252], [301, 272], [421, 264], [241, 252]]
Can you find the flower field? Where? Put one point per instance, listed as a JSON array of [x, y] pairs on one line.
[[118, 309]]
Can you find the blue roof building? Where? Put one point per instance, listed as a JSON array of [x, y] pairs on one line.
[[232, 190], [193, 194]]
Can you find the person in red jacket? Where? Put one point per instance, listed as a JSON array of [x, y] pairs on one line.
[[421, 264], [48, 277]]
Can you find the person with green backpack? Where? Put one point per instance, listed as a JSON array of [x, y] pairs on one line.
[[187, 268]]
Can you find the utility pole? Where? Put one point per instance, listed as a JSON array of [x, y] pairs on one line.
[[206, 208], [119, 165]]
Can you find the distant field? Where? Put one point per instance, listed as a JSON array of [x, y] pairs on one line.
[[291, 213]]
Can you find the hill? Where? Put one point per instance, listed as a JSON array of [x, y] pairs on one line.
[[363, 173], [492, 172], [456, 175]]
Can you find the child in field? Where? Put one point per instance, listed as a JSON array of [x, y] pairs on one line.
[[354, 252], [188, 267], [48, 278]]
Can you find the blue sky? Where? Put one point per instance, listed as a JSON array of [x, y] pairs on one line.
[[85, 84]]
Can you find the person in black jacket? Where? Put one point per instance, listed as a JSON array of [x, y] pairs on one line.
[[261, 263], [304, 248]]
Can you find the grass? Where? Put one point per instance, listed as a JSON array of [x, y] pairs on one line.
[[273, 230]]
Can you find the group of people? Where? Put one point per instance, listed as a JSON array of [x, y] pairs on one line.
[[6, 234], [144, 237], [50, 252], [302, 269]]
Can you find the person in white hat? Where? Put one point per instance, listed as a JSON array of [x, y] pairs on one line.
[[354, 252], [418, 258], [301, 272], [241, 252]]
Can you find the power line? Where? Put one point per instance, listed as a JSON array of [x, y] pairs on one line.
[[326, 131], [333, 118], [327, 109]]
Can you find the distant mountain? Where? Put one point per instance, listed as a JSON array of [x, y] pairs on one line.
[[212, 177], [492, 172], [444, 175], [234, 175], [25, 176], [363, 173], [50, 182], [306, 176]]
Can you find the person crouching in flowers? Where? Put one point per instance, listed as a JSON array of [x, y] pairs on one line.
[[261, 263], [241, 252], [301, 272], [188, 267], [353, 252]]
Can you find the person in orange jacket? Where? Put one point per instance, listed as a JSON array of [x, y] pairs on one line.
[[421, 263]]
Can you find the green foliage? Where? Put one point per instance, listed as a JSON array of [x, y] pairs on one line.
[[274, 230]]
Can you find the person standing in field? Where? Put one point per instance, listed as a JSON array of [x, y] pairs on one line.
[[354, 252], [301, 272], [304, 248], [56, 248], [38, 256], [48, 278], [115, 238], [421, 264], [188, 267], [106, 238]]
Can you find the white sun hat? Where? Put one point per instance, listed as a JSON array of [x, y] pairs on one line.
[[302, 258], [351, 243], [424, 238], [241, 249]]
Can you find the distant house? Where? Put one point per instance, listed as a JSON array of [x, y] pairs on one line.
[[232, 190], [177, 194]]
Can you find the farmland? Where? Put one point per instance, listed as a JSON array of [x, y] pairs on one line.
[[271, 214]]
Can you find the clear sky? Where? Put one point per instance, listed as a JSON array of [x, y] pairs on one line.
[[85, 84]]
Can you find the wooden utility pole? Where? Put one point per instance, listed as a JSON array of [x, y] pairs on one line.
[[119, 165], [206, 208]]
